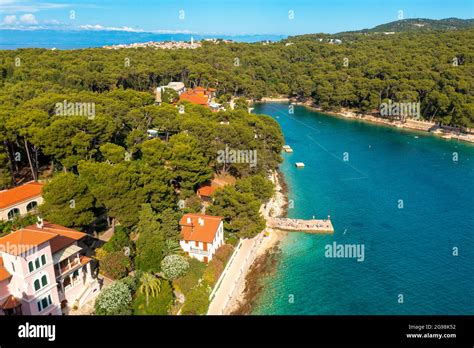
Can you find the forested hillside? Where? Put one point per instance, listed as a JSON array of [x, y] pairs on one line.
[[421, 24], [433, 68]]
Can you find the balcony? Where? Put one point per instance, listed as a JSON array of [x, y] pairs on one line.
[[198, 251], [71, 264]]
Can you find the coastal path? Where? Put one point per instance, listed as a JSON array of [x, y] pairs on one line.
[[233, 277]]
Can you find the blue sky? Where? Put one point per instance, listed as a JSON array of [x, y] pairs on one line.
[[224, 16]]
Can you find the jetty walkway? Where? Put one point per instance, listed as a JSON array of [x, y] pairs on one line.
[[299, 225]]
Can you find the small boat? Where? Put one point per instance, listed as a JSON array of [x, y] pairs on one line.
[[299, 165], [287, 148]]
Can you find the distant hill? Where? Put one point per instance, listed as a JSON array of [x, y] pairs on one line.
[[411, 25], [420, 24]]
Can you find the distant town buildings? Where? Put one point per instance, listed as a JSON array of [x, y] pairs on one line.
[[20, 200], [201, 235], [43, 270], [166, 45]]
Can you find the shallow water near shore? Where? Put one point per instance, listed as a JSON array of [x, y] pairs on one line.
[[400, 195]]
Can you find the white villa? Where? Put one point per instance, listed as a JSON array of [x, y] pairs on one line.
[[201, 235], [43, 270]]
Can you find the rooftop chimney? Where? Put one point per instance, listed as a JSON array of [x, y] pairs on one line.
[[39, 222], [188, 220], [201, 221]]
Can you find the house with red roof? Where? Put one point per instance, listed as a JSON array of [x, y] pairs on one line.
[[20, 200], [43, 270], [201, 235], [198, 95], [206, 192]]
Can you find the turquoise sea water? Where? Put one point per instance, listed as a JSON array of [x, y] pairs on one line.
[[407, 251]]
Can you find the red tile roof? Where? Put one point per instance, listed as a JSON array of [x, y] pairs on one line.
[[194, 97], [32, 236], [206, 191], [10, 303], [194, 231], [19, 194], [3, 271]]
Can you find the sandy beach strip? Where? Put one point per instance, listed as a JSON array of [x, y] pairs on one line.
[[410, 124], [230, 298]]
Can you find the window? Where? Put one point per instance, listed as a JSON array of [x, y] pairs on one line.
[[196, 243], [13, 213], [31, 206], [38, 262], [44, 303], [40, 282]]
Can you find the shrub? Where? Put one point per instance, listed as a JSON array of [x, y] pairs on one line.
[[197, 300], [149, 253], [100, 254], [157, 305], [193, 204], [114, 300], [174, 266], [195, 272], [132, 281], [213, 271], [119, 240], [232, 239], [115, 265], [224, 252]]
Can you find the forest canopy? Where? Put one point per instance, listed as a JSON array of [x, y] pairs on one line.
[[433, 68]]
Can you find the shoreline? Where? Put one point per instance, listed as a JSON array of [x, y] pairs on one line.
[[267, 252], [425, 127]]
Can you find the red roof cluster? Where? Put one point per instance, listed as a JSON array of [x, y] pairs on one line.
[[198, 95]]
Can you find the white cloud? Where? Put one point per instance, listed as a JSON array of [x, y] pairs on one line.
[[101, 27], [9, 20], [165, 31], [28, 18]]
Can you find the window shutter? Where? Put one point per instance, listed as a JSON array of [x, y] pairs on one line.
[[37, 284]]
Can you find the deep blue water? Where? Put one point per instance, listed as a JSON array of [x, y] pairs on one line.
[[408, 251], [75, 39]]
